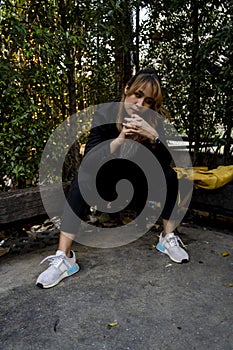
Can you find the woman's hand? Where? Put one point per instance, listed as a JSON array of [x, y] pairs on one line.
[[127, 133], [137, 126], [134, 128], [115, 144]]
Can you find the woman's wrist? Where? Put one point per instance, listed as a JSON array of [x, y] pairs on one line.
[[154, 138], [118, 141]]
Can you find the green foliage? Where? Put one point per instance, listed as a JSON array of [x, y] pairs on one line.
[[191, 45], [59, 57], [28, 86]]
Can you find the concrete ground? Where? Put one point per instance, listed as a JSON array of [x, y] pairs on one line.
[[156, 304]]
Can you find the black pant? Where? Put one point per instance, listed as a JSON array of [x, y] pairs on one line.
[[76, 208]]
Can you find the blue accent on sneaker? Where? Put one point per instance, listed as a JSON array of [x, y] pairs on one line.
[[73, 269], [160, 247]]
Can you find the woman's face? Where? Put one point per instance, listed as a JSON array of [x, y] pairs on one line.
[[140, 100]]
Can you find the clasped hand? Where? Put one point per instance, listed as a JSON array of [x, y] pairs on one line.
[[137, 126]]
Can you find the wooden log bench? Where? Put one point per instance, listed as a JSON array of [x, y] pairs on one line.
[[216, 202], [26, 204]]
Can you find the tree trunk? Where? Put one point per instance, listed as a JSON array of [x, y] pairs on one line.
[[72, 161], [228, 144], [123, 49], [137, 39], [194, 96]]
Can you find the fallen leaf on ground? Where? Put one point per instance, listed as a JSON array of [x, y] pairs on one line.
[[113, 324], [152, 283], [76, 278], [4, 251], [228, 284], [225, 254], [168, 265]]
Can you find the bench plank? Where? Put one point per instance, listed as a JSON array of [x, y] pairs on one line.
[[27, 204], [218, 201]]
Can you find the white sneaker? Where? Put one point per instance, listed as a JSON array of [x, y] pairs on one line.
[[170, 245], [60, 268]]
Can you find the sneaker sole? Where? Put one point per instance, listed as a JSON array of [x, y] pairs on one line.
[[74, 269], [163, 250]]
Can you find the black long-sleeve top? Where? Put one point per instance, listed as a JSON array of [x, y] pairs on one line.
[[103, 168], [104, 130]]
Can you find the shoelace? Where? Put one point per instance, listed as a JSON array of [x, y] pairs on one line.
[[54, 259], [174, 241]]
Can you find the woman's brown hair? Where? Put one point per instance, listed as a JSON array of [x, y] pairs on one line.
[[142, 78]]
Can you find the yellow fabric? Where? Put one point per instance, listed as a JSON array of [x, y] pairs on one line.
[[208, 179]]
